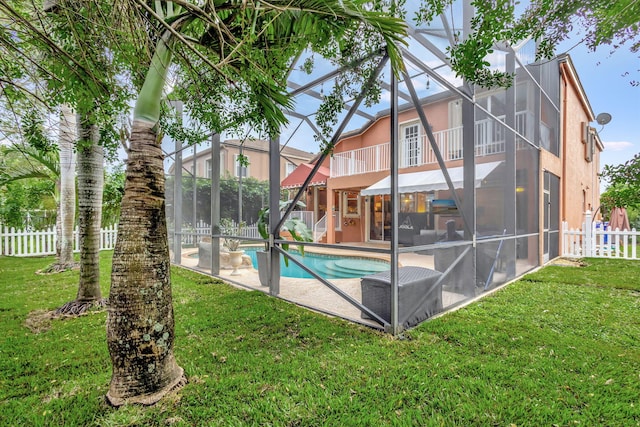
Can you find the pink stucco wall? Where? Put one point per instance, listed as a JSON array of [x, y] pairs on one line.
[[581, 184]]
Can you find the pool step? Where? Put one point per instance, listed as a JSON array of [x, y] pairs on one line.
[[355, 267]]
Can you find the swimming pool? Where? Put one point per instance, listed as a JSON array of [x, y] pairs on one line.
[[327, 266]]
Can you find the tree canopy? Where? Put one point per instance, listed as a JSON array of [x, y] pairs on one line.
[[624, 184], [598, 22], [36, 49], [28, 191], [85, 54]]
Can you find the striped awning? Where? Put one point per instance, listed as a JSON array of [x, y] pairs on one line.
[[300, 174]]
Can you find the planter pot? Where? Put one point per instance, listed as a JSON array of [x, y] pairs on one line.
[[263, 267], [235, 259]]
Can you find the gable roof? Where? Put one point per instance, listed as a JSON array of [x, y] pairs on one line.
[[567, 66], [263, 146], [258, 145]]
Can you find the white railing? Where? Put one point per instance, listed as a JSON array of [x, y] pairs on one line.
[[362, 160], [524, 124], [490, 139], [107, 237], [192, 235], [305, 216], [320, 229], [596, 241], [377, 157], [43, 242], [450, 143]]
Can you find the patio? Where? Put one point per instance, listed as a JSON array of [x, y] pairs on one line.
[[312, 294]]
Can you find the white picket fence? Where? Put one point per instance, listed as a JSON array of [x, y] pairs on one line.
[[192, 235], [31, 243], [593, 240]]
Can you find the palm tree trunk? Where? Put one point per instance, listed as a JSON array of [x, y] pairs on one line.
[[90, 185], [140, 324], [67, 188]]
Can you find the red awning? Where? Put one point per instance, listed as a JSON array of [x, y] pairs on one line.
[[300, 174]]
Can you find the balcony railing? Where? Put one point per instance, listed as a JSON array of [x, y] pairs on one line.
[[362, 160], [490, 139]]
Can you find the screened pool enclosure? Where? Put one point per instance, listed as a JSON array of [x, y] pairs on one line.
[[432, 196]]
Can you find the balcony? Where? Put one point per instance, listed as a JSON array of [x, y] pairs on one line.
[[490, 139]]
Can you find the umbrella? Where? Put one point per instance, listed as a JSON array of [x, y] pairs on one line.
[[619, 220]]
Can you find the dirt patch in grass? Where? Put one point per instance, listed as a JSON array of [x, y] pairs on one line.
[[39, 321], [56, 268], [568, 262]]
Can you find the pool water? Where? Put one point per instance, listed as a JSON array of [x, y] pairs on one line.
[[327, 266]]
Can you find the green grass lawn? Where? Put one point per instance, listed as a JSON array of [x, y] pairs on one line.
[[559, 347]]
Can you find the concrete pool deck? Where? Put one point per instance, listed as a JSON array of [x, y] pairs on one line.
[[313, 294]]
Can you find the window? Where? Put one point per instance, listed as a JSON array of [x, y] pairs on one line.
[[240, 170], [411, 143], [455, 113], [454, 138], [290, 167], [549, 107], [407, 202], [588, 139], [207, 169], [351, 204]]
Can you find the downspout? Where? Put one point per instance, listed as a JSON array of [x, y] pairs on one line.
[[564, 141]]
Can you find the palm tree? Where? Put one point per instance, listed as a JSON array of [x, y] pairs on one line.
[[250, 46], [57, 166], [86, 30], [67, 204], [60, 167], [90, 185]]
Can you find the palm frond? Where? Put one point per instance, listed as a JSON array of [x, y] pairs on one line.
[[311, 16], [25, 162], [256, 44], [21, 175]]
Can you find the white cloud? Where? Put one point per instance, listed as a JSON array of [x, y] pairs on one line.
[[617, 145]]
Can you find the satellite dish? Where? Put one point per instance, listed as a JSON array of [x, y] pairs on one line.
[[603, 118]]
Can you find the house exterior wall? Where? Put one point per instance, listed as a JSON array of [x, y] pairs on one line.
[[579, 183], [354, 229], [257, 153]]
